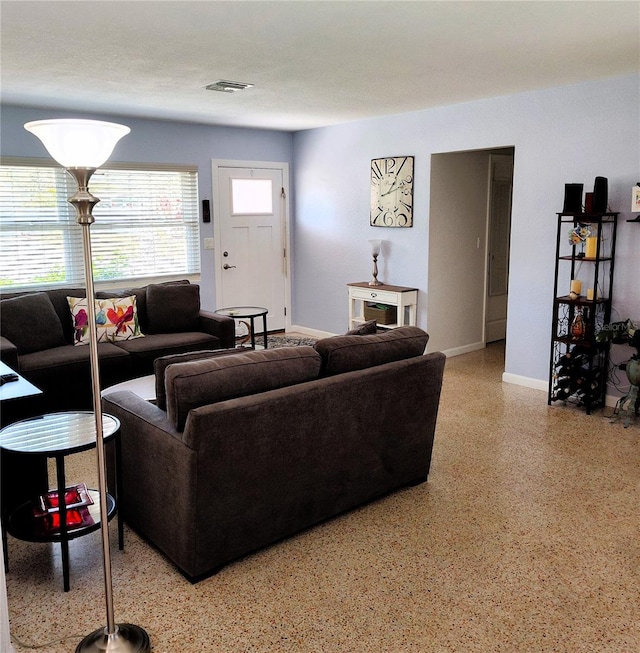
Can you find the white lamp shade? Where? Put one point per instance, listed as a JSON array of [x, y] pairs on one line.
[[78, 143], [375, 246]]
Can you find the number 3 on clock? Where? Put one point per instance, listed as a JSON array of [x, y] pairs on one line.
[[392, 192]]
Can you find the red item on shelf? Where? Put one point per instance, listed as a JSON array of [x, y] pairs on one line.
[[75, 497], [71, 496], [76, 518]]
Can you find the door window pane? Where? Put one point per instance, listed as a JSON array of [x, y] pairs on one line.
[[251, 196]]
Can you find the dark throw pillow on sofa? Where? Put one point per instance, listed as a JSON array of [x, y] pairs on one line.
[[365, 329], [161, 364], [202, 382], [31, 323], [172, 308], [342, 354]]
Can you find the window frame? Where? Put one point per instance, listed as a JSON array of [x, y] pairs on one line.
[[70, 252]]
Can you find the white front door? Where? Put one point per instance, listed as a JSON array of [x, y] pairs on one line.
[[250, 249]]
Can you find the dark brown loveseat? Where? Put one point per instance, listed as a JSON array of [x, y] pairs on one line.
[[37, 336], [248, 448]]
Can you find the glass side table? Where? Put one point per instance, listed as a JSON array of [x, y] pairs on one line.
[[250, 313], [57, 435]]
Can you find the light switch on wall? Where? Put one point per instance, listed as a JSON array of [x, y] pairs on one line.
[[208, 243]]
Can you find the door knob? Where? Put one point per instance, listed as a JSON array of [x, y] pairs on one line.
[[226, 266]]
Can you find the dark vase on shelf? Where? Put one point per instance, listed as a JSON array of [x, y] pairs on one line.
[[578, 326]]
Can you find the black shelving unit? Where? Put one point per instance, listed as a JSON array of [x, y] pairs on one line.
[[578, 364]]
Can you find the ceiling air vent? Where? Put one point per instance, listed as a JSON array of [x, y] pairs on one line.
[[226, 86]]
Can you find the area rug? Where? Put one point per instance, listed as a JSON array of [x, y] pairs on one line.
[[275, 340]]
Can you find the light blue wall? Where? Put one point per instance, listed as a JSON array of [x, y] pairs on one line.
[[156, 141], [567, 134]]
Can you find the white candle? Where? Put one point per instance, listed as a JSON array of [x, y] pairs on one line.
[[576, 286], [589, 294]]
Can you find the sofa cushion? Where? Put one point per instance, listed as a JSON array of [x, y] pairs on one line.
[[348, 353], [202, 382], [68, 360], [116, 319], [365, 329], [161, 364], [141, 296], [143, 351], [172, 307], [31, 323], [64, 374], [58, 297]]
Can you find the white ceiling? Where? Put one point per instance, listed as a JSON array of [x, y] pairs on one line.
[[313, 62]]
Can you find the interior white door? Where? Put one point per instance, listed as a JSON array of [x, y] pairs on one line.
[[498, 250], [251, 248]]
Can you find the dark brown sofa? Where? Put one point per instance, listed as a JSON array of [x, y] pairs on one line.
[[249, 448], [37, 335]]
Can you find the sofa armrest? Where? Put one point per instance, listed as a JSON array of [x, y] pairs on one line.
[[133, 410], [158, 471], [146, 436], [9, 353], [221, 326]]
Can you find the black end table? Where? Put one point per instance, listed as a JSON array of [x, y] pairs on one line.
[[250, 313], [57, 435]]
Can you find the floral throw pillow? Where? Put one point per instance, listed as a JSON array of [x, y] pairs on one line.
[[116, 319]]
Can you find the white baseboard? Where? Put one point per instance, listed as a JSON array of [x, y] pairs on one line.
[[526, 381], [539, 384], [313, 333], [466, 349]]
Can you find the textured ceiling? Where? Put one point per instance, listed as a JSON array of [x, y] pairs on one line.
[[313, 62]]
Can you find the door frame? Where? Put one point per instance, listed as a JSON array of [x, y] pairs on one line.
[[493, 155], [283, 166], [439, 297]]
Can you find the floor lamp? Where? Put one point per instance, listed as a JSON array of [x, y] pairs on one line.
[[82, 146]]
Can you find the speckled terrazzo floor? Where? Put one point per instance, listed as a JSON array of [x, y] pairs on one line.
[[525, 539]]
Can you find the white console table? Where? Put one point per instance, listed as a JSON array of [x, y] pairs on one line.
[[405, 299]]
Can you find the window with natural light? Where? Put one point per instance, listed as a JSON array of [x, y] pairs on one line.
[[146, 225]]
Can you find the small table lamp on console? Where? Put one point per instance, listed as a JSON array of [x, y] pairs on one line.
[[376, 245]]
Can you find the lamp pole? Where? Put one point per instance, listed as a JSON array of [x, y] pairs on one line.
[[68, 141]]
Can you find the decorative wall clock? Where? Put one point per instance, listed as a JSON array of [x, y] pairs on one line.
[[392, 192]]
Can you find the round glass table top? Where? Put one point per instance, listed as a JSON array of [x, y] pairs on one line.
[[243, 311], [55, 433]]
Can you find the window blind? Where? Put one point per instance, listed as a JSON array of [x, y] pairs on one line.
[[146, 225]]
